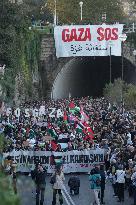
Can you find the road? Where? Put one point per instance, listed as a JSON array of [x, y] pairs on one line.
[[26, 190]]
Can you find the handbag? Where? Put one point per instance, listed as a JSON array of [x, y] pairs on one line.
[[53, 179]]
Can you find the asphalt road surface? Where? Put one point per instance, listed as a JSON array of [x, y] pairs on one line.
[[26, 190]]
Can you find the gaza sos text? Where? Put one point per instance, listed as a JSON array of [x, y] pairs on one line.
[[84, 34]]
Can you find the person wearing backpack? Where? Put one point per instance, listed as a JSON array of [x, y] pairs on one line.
[[120, 175], [133, 178], [95, 184], [57, 185]]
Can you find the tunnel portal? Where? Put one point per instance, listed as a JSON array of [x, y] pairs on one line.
[[87, 76]]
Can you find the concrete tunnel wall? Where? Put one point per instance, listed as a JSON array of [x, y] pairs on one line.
[[87, 76]]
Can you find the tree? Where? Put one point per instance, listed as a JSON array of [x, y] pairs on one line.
[[130, 96], [7, 196], [118, 91], [68, 11], [114, 91], [18, 47]]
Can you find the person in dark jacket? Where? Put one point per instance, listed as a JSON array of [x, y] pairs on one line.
[[103, 177], [39, 175], [74, 184]]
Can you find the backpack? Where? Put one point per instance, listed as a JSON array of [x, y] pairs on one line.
[[98, 182], [53, 179]]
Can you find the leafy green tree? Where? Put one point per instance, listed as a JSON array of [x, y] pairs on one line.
[[18, 46], [114, 91], [68, 11], [7, 196], [12, 24], [130, 96], [118, 91]]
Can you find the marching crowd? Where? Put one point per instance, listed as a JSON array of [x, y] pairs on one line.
[[83, 123]]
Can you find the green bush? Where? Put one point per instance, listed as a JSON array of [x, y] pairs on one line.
[[130, 97], [120, 91], [7, 196], [114, 91]]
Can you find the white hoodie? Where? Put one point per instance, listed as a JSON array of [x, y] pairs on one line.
[[120, 176]]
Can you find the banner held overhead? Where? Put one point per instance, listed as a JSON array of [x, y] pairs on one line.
[[73, 161], [87, 40]]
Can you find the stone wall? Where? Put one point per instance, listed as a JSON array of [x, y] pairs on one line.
[[51, 66]]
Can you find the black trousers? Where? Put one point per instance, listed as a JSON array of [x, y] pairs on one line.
[[102, 195], [75, 189], [115, 188], [40, 190], [134, 195], [55, 191], [120, 191]]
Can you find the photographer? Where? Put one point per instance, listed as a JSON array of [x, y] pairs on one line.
[[39, 175], [74, 184]]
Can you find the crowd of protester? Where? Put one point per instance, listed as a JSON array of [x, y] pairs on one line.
[[86, 124]]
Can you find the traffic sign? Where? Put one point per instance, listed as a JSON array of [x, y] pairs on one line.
[[122, 37]]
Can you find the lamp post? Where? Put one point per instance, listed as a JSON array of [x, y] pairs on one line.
[[104, 16], [122, 38], [110, 45], [81, 13], [55, 13]]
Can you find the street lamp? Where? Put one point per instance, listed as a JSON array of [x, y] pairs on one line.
[[110, 45], [104, 16], [122, 38], [81, 6], [55, 13]]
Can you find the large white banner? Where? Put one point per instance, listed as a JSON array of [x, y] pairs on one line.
[[88, 40], [73, 161]]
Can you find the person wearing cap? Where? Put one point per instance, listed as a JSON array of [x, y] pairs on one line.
[[57, 185], [39, 175]]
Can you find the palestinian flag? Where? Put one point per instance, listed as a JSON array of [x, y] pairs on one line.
[[73, 118], [52, 131], [72, 107], [84, 117], [79, 129], [65, 117], [58, 161], [54, 145]]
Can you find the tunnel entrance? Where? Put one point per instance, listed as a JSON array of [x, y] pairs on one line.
[[87, 76]]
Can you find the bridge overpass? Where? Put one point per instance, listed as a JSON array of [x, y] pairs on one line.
[[81, 76]]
